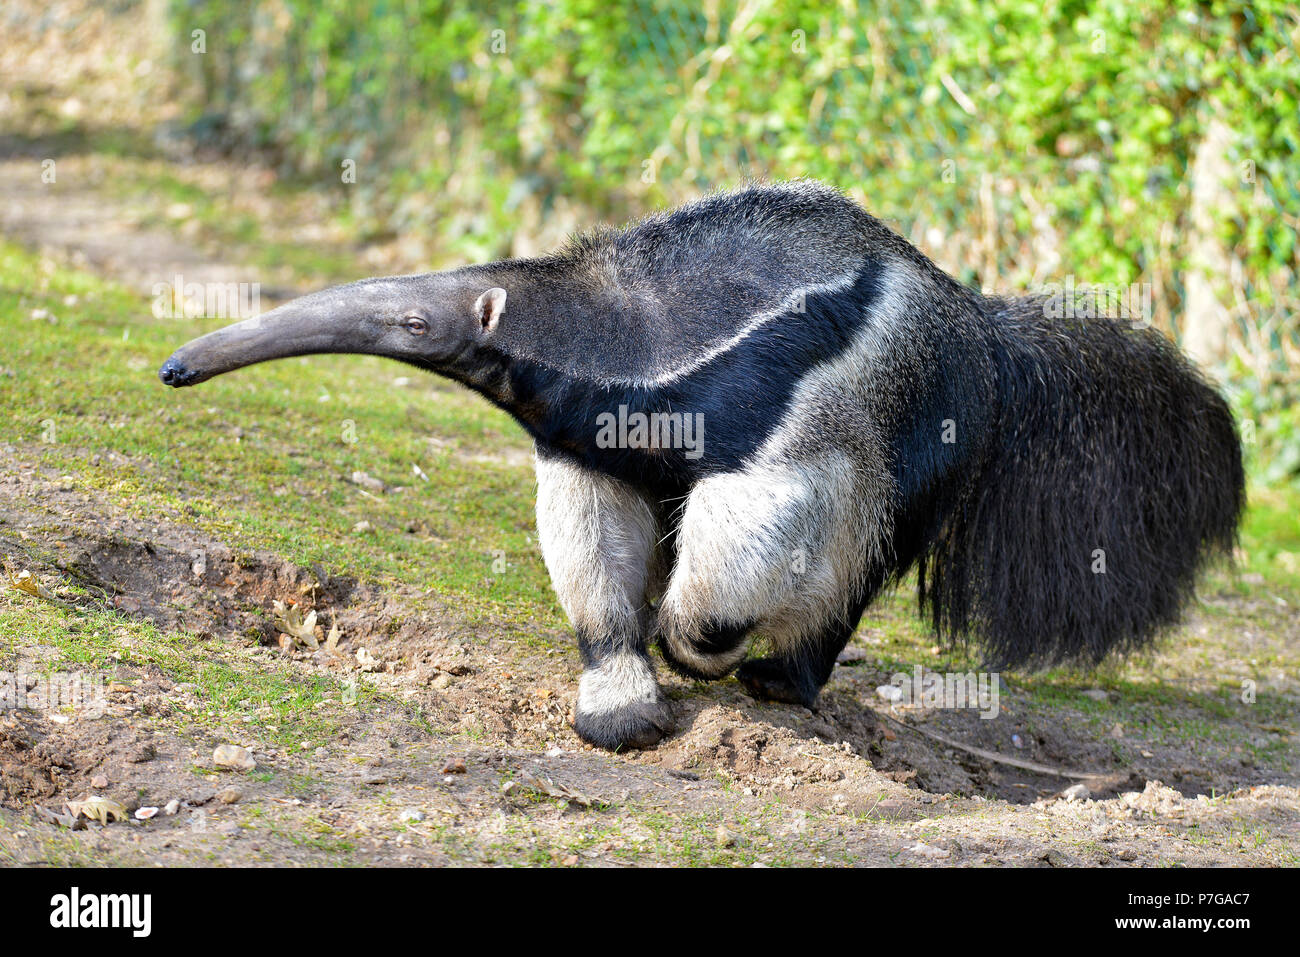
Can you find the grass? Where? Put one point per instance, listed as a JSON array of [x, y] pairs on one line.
[[227, 685], [263, 458]]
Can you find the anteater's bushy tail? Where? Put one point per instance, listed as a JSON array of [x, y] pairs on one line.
[[1114, 477]]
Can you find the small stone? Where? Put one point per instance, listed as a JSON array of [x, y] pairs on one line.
[[360, 527], [321, 753], [377, 777], [723, 837], [411, 816], [142, 753], [99, 781], [172, 807], [234, 757], [1096, 694], [454, 766], [441, 681], [890, 692], [145, 813], [921, 849], [229, 795], [365, 480], [1077, 792]]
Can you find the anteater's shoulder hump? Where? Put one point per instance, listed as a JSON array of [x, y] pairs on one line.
[[679, 285]]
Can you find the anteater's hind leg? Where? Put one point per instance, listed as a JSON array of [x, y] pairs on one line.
[[598, 538], [796, 675], [772, 550]]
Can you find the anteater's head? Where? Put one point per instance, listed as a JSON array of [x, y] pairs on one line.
[[433, 321]]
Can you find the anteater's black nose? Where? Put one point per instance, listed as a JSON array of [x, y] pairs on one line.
[[175, 373]]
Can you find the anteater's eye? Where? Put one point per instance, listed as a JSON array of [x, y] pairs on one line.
[[416, 325]]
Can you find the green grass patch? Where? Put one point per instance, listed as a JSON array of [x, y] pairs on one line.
[[262, 458], [283, 708]]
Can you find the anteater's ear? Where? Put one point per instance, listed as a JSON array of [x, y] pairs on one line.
[[488, 307]]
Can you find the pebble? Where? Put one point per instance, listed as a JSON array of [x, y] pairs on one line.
[[922, 849], [1096, 694], [1077, 792], [234, 757], [229, 795], [99, 781], [890, 692], [172, 807], [411, 815], [454, 766], [366, 480]]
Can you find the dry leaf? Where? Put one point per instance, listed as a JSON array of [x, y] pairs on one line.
[[70, 821], [535, 782], [98, 808], [25, 581], [289, 621]]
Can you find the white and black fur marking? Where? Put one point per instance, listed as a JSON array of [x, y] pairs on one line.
[[866, 415]]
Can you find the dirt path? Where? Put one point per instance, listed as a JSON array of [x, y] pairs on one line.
[[435, 742], [464, 753]]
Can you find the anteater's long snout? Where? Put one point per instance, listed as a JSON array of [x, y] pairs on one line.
[[176, 373], [232, 347], [329, 321]]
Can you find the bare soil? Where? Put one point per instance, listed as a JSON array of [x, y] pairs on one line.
[[740, 782]]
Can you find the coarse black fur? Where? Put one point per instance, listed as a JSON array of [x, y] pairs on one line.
[[1112, 472]]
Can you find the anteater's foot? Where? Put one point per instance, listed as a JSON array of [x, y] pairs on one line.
[[707, 657], [619, 705], [768, 679]]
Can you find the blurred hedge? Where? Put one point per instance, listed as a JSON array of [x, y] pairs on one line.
[[1015, 142]]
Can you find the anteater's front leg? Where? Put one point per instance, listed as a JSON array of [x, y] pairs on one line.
[[598, 537]]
